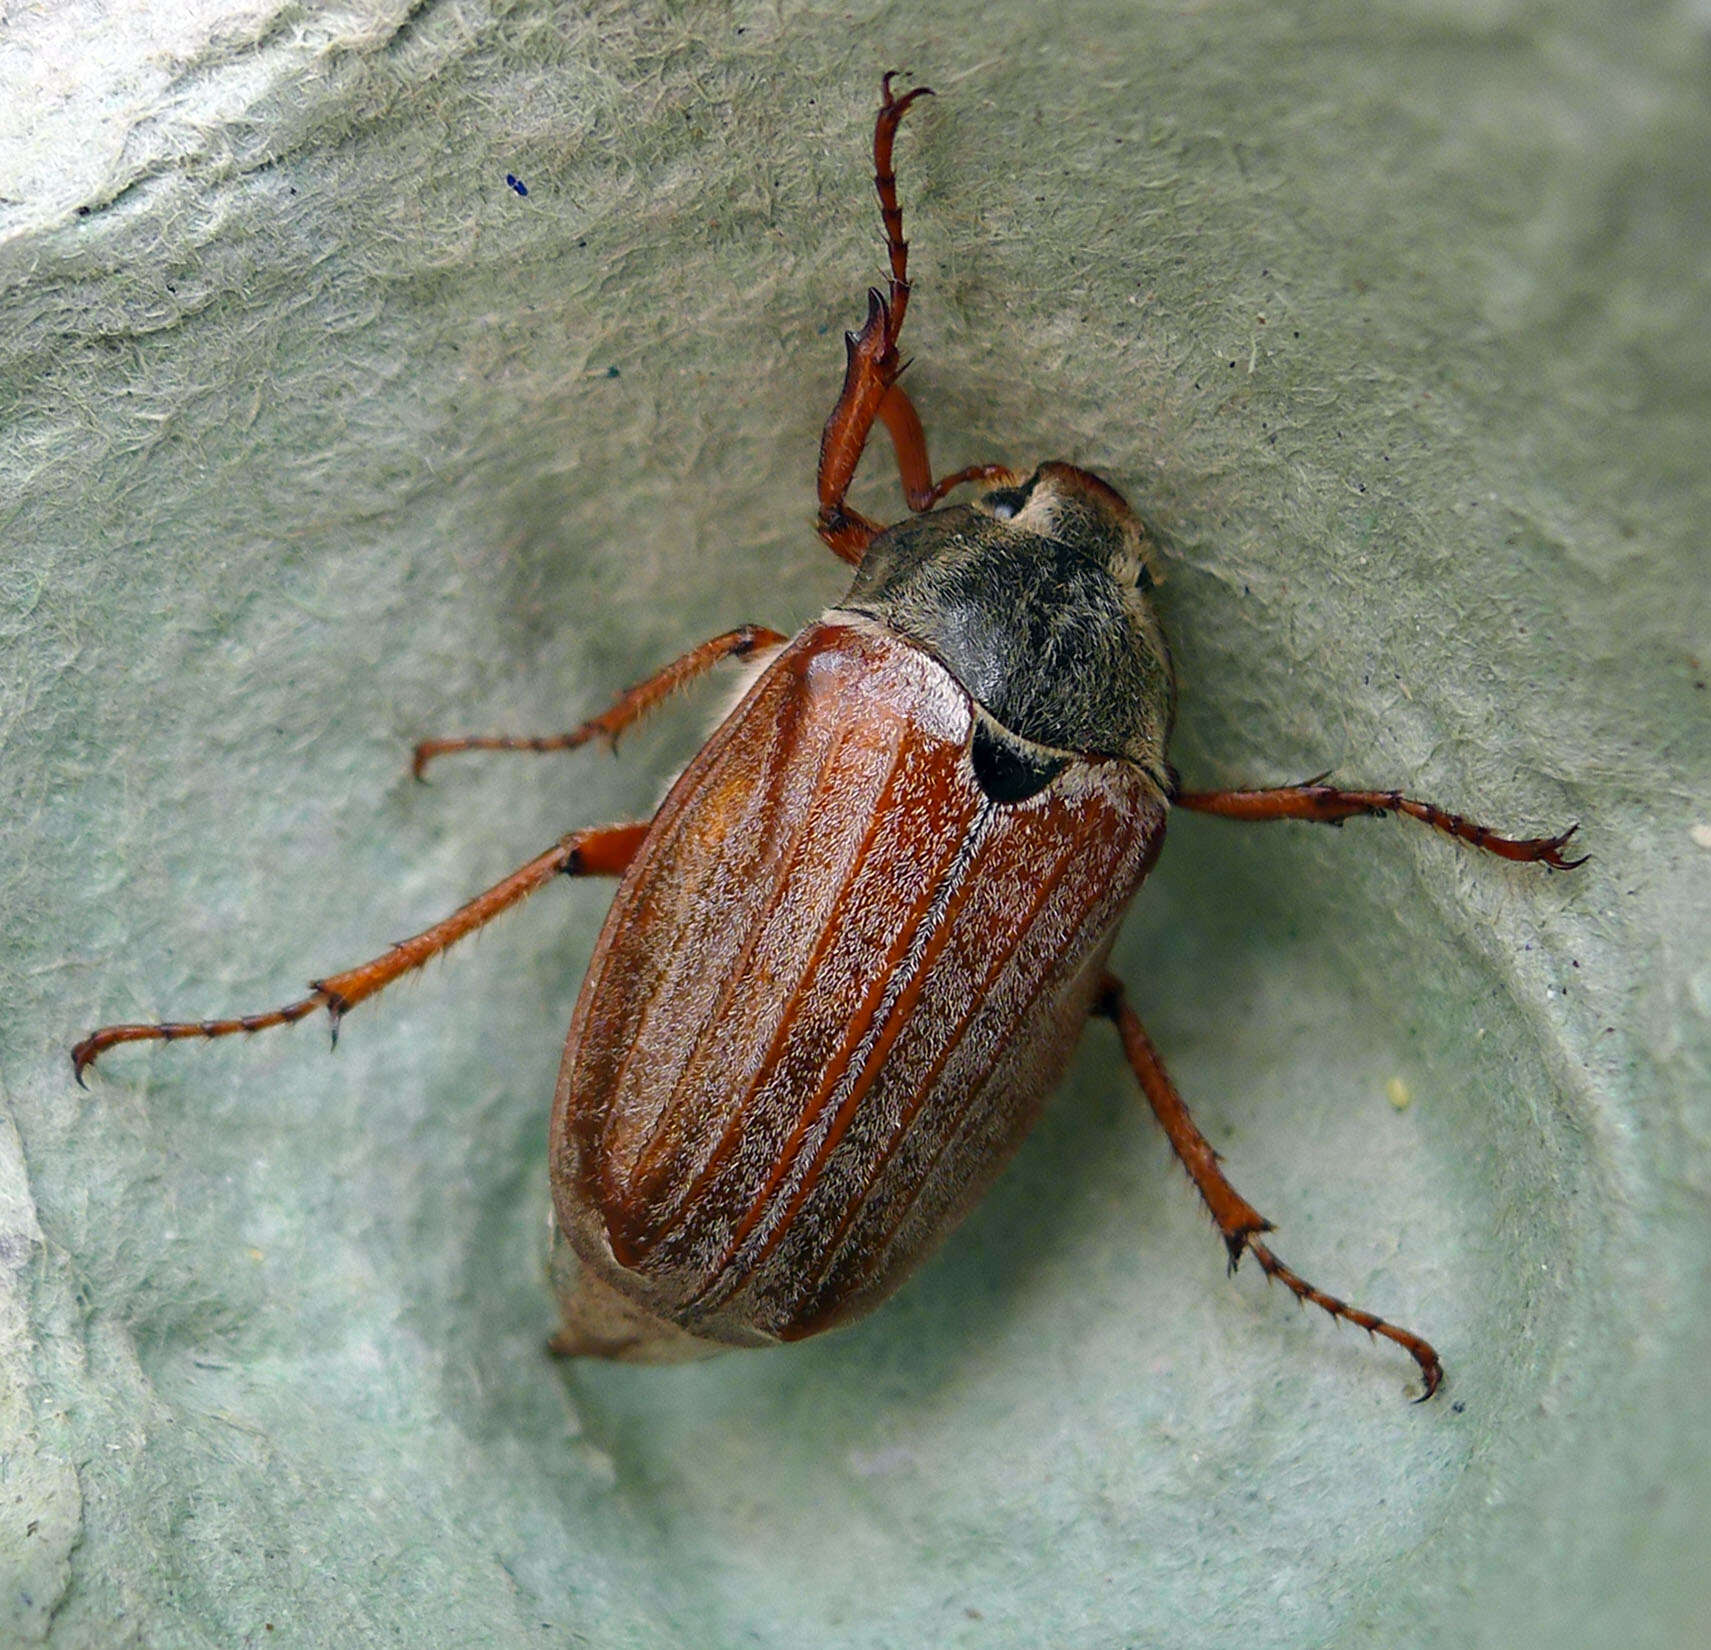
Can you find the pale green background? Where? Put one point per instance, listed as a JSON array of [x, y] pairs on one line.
[[316, 438]]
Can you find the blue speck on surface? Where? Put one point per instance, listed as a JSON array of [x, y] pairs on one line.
[[516, 183]]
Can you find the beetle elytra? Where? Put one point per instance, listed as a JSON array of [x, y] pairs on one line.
[[852, 953]]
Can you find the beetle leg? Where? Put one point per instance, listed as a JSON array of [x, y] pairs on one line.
[[604, 851], [871, 371], [909, 441], [1327, 805], [845, 529], [1237, 1219], [629, 707]]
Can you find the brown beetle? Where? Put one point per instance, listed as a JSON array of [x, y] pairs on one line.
[[851, 954]]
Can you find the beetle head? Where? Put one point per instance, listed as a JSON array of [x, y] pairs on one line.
[[1075, 507], [1035, 598]]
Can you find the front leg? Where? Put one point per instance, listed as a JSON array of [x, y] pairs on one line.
[[1327, 805], [870, 389]]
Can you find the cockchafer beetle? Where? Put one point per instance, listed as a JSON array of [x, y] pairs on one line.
[[851, 954]]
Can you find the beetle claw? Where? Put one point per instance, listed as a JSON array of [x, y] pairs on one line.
[[1552, 855], [889, 105]]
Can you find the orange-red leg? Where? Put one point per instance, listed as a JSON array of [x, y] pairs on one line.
[[909, 442], [630, 706], [870, 389], [1327, 805], [604, 851], [1239, 1221]]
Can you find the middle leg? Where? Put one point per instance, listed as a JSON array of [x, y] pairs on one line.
[[630, 706]]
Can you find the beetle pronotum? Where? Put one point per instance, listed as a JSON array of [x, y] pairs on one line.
[[851, 954]]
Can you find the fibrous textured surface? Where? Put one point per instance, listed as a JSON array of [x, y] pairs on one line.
[[317, 435]]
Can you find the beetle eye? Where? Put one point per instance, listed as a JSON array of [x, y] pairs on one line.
[[1006, 502]]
